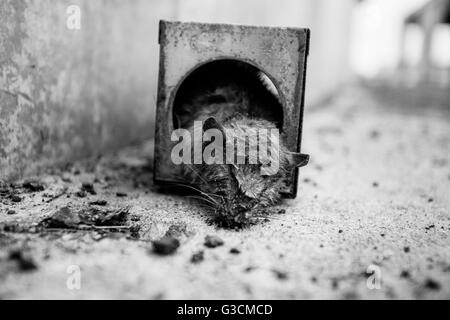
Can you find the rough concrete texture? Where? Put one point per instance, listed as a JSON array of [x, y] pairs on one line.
[[71, 93], [375, 194]]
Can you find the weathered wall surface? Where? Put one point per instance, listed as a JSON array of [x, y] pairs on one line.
[[72, 93], [67, 94]]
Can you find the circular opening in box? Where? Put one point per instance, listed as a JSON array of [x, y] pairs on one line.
[[224, 88]]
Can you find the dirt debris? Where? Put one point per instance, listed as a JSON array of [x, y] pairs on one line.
[[235, 251], [15, 198], [101, 203], [432, 284], [405, 274], [281, 275], [33, 185], [67, 218], [64, 218], [165, 246], [213, 241], [198, 257], [81, 194], [24, 260], [121, 195], [89, 188]]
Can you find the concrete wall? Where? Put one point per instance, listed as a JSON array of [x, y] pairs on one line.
[[74, 93]]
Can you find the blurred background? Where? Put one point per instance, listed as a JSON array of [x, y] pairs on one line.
[[70, 93]]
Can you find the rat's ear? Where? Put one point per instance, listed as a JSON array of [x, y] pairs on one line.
[[211, 123], [213, 131], [299, 160]]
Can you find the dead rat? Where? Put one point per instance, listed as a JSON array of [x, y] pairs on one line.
[[234, 99]]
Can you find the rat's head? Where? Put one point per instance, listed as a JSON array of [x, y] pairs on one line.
[[238, 178]]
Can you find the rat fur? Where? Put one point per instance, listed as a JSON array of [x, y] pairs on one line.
[[234, 98]]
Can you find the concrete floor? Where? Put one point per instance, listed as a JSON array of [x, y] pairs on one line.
[[375, 198]]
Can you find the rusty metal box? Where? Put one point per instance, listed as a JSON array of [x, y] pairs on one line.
[[280, 53]]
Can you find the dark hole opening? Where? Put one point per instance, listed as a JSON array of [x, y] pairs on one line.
[[223, 89]]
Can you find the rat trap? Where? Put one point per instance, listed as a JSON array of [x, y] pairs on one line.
[[279, 53]]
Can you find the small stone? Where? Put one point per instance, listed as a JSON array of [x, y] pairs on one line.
[[63, 218], [249, 269], [89, 188], [11, 212], [405, 274], [16, 199], [198, 257], [99, 203], [121, 194], [81, 194], [213, 242], [280, 274], [406, 249], [340, 231], [430, 200], [235, 251], [33, 186], [24, 261], [375, 184], [432, 284], [165, 246]]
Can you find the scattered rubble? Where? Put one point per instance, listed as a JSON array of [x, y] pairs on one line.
[[67, 218], [24, 260], [432, 284], [64, 218], [198, 257], [213, 242], [89, 188], [405, 274], [165, 246], [33, 186], [101, 203], [280, 274], [81, 194], [15, 198], [235, 251]]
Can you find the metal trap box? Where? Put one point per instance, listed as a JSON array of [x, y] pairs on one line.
[[280, 53]]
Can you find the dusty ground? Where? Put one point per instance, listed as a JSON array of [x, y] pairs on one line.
[[375, 196]]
